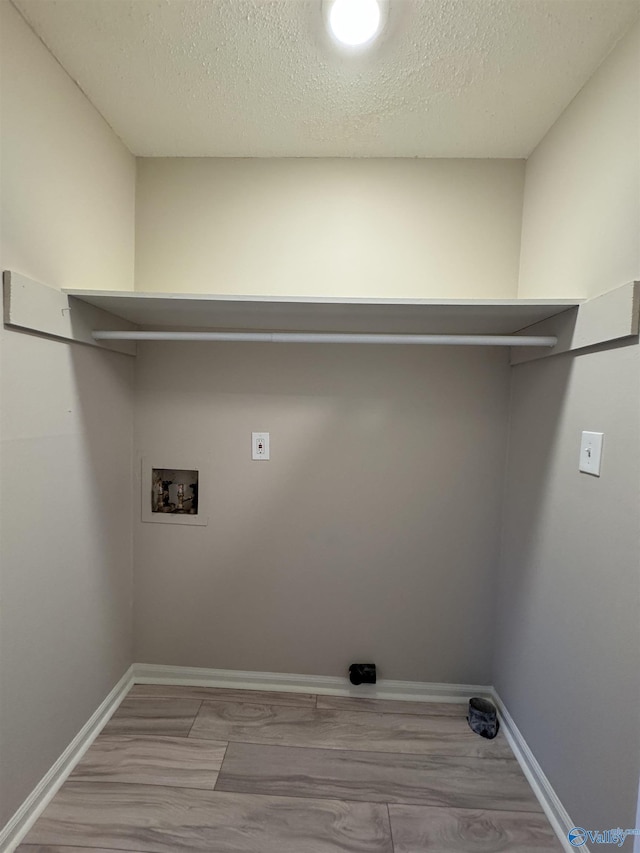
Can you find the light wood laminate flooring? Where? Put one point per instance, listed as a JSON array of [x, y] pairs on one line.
[[233, 771]]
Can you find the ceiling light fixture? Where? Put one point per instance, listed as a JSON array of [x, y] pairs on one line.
[[354, 22]]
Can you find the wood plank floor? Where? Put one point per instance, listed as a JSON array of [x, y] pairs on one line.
[[232, 771]]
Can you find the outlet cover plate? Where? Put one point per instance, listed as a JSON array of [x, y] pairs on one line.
[[260, 446]]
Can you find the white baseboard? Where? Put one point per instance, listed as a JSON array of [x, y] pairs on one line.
[[542, 788], [144, 673], [15, 830]]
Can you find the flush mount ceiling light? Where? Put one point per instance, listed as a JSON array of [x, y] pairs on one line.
[[354, 23]]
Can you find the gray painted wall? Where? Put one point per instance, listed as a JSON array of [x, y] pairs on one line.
[[568, 628], [371, 534], [67, 420], [65, 614]]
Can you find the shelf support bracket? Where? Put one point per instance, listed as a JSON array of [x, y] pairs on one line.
[[611, 317], [47, 311]]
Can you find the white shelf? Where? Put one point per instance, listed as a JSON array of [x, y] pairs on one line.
[[382, 316], [74, 315]]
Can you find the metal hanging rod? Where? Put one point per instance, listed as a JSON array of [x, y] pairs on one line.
[[333, 338]]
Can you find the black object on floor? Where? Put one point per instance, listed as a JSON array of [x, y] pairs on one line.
[[362, 673], [483, 718]]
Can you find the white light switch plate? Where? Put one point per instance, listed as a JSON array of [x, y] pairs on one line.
[[591, 452], [260, 446]]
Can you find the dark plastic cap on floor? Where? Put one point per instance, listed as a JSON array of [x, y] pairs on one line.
[[483, 718]]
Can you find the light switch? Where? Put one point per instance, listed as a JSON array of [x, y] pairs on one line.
[[591, 452]]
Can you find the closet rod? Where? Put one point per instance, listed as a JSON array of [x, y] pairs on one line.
[[332, 338]]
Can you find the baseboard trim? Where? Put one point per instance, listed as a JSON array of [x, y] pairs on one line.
[[542, 788], [19, 825], [289, 683]]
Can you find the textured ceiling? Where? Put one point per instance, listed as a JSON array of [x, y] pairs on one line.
[[260, 78]]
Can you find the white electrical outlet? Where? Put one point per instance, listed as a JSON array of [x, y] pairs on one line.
[[591, 453], [260, 446]]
